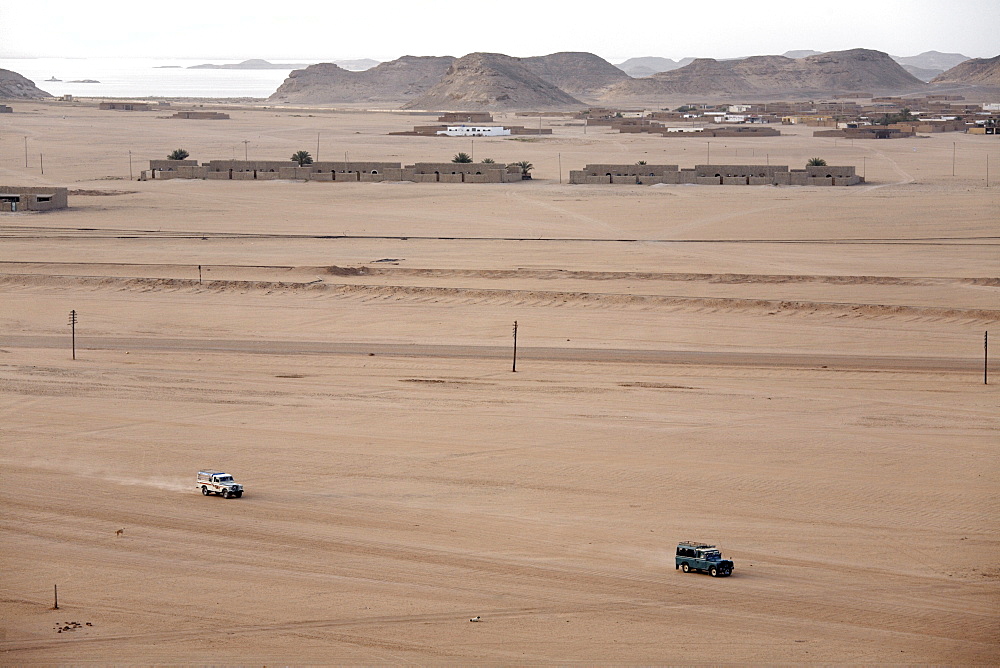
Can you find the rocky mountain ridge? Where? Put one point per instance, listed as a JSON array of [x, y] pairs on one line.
[[13, 86], [764, 76], [976, 71], [573, 79], [492, 81], [650, 65], [575, 72], [391, 82]]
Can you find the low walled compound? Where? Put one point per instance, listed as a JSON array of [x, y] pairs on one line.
[[715, 175], [340, 172], [202, 115], [125, 106], [466, 117], [471, 131], [451, 172], [653, 127], [866, 132], [32, 198]]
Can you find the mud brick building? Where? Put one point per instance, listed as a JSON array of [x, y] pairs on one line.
[[32, 198], [716, 175]]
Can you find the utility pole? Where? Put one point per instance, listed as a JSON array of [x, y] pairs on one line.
[[514, 367], [708, 160], [26, 151], [245, 150], [986, 357], [41, 165], [473, 149], [560, 168], [72, 324], [55, 592], [317, 147], [953, 158], [130, 165]]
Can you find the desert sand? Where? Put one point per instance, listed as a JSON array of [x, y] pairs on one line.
[[793, 374]]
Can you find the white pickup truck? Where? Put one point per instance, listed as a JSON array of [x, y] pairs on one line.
[[217, 482]]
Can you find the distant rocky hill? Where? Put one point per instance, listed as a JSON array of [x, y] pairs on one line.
[[857, 69], [649, 65], [929, 64], [801, 53], [358, 64], [932, 60], [252, 64], [576, 73], [14, 86], [922, 73], [976, 71], [392, 82], [492, 81], [259, 64]]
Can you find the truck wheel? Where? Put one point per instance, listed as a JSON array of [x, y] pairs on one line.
[[239, 495], [204, 490], [686, 568], [225, 494], [713, 571]]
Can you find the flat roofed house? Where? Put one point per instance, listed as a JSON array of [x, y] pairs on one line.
[[32, 198], [475, 131]]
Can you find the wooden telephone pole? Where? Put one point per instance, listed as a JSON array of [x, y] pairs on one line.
[[72, 324], [514, 366]]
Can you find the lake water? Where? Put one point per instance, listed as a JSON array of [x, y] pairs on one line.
[[144, 77]]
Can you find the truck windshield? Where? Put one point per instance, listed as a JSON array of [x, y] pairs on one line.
[[225, 478], [712, 556]]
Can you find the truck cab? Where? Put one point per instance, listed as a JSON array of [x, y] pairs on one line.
[[218, 482], [698, 556]]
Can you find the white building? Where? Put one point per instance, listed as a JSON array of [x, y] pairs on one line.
[[685, 129], [475, 131], [739, 108]]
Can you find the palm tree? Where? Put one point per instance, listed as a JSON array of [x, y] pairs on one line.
[[816, 162], [526, 168], [641, 163], [488, 161], [462, 158], [178, 154], [302, 157]]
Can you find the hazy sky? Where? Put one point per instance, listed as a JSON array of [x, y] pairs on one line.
[[314, 30]]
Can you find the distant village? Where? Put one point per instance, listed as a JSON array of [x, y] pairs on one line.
[[854, 116], [850, 115]]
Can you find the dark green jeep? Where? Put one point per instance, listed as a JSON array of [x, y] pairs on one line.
[[695, 556]]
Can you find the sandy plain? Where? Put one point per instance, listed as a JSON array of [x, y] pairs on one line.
[[795, 374]]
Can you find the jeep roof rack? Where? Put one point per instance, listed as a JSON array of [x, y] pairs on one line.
[[694, 544]]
